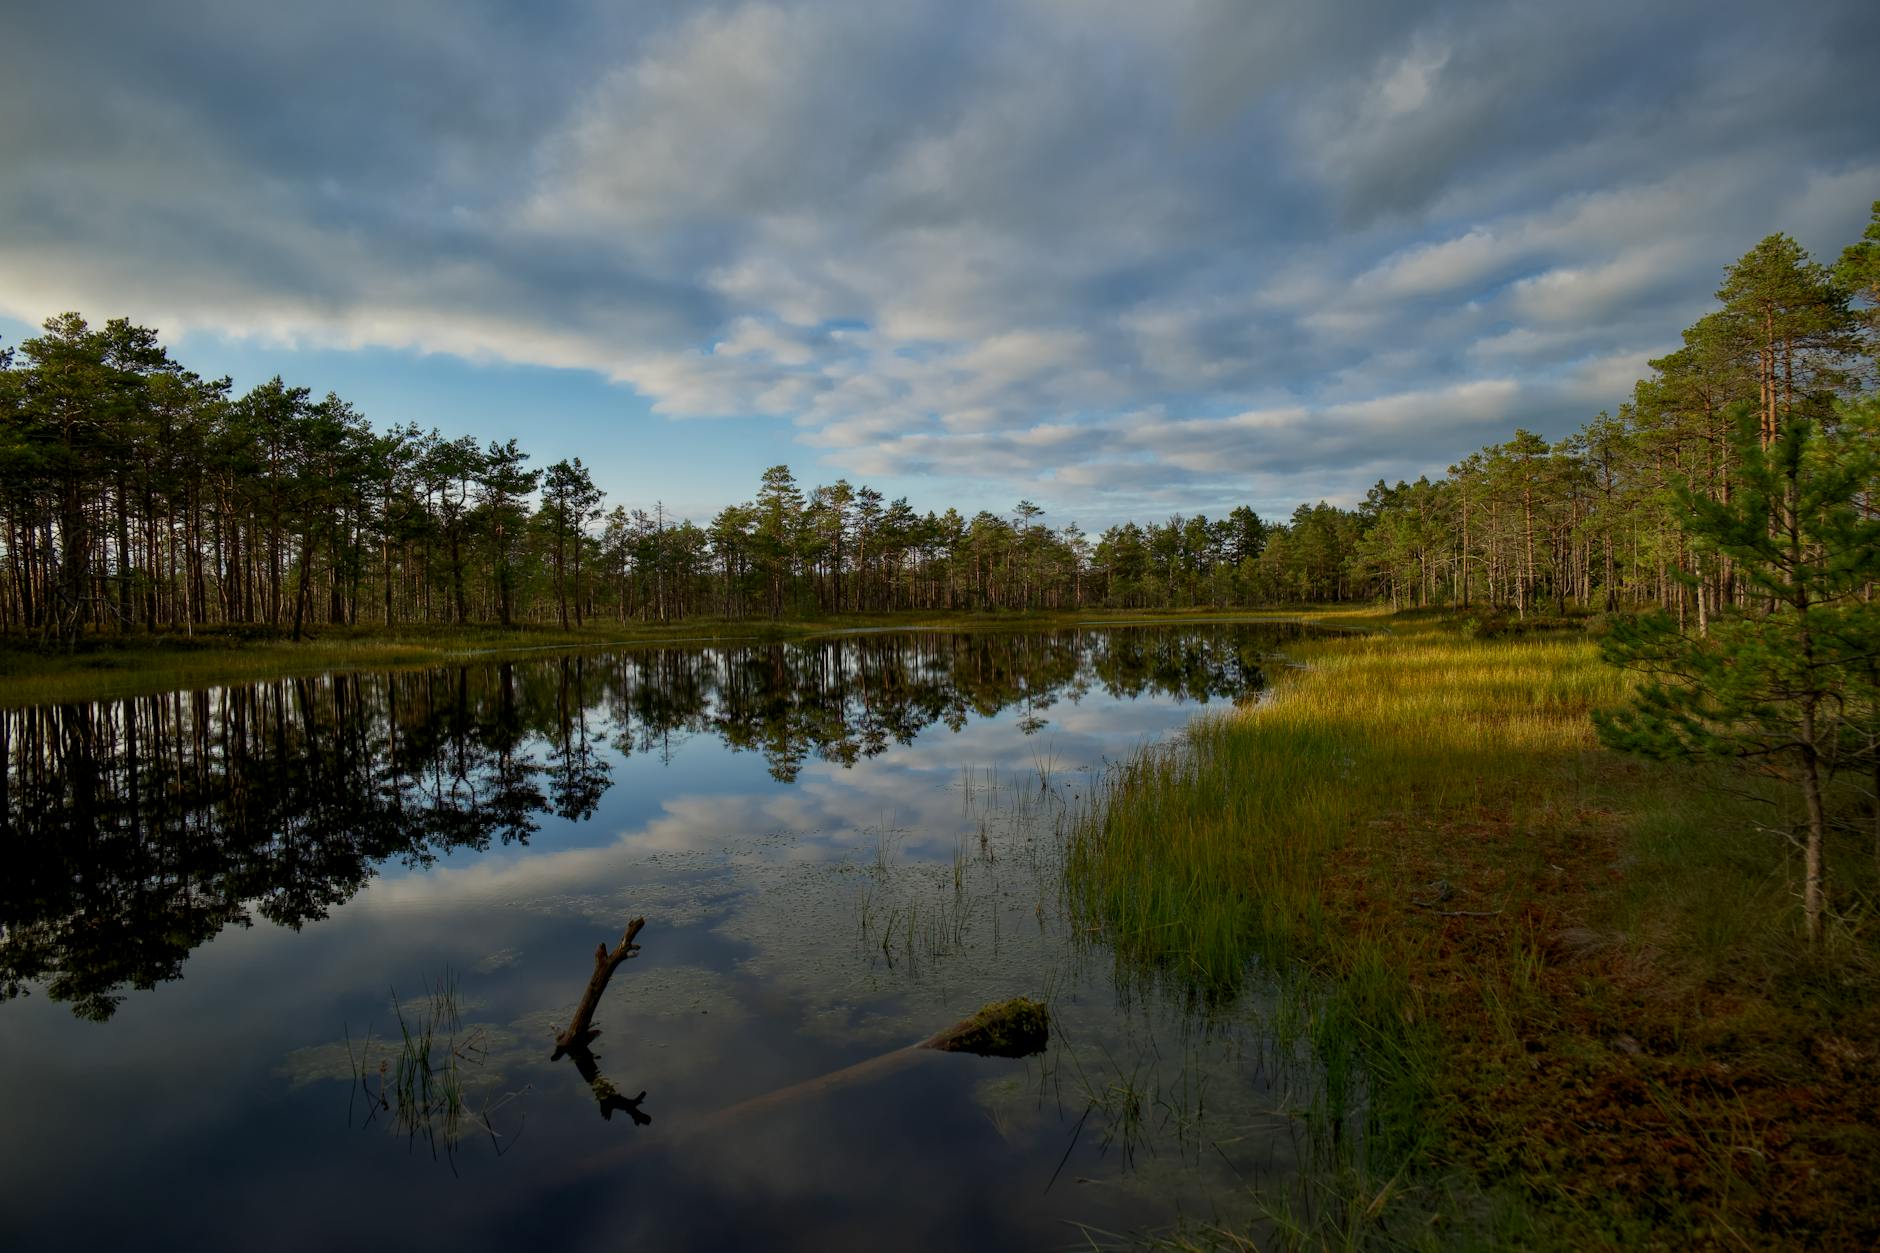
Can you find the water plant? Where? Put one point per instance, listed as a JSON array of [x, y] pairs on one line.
[[423, 1086]]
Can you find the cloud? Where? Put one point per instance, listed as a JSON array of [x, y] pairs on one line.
[[1576, 295], [1433, 268], [1114, 255]]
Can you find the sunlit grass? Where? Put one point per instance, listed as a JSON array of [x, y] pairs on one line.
[[1210, 852]]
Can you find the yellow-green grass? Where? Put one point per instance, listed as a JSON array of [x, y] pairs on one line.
[[1572, 985]]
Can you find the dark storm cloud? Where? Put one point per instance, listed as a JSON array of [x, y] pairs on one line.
[[1188, 252]]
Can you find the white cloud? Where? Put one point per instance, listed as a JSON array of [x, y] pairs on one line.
[[1410, 84], [1581, 294], [1430, 269]]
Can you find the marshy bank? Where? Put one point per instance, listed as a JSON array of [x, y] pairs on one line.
[[1560, 997]]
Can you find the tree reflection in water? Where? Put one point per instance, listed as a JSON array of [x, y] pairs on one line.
[[134, 830]]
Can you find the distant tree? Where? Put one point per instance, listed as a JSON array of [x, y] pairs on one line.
[[1602, 446], [1521, 470], [329, 456], [868, 516], [502, 485], [828, 525], [1859, 268], [451, 469], [779, 510], [83, 398], [569, 502], [1077, 553], [1859, 273], [1025, 517], [1246, 535], [399, 518], [730, 538]]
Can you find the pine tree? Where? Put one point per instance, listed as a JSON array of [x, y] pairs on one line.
[[779, 509], [502, 484], [1788, 319], [1776, 691], [1859, 273]]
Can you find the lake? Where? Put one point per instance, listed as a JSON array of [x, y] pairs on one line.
[[232, 917]]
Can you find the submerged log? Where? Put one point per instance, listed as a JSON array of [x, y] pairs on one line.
[[1018, 1027]]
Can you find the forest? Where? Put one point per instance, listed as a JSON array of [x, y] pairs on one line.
[[138, 496]]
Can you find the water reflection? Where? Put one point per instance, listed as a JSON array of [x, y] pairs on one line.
[[135, 830]]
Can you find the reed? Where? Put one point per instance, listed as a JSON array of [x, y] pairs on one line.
[[423, 1083], [1211, 851]]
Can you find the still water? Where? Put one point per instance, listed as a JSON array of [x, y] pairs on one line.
[[224, 910]]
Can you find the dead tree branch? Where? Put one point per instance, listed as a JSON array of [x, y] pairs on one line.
[[581, 1032]]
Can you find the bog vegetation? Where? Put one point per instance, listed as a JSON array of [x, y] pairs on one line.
[[1561, 997]]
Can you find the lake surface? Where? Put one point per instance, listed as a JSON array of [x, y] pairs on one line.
[[219, 905]]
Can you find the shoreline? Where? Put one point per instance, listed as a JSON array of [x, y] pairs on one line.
[[138, 665]]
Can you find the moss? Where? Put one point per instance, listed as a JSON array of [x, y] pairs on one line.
[[1015, 1028]]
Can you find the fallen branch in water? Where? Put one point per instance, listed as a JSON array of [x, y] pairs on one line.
[[573, 1043], [606, 1095], [580, 1033]]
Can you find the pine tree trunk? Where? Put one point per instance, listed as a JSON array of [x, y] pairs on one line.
[[306, 575], [1812, 870]]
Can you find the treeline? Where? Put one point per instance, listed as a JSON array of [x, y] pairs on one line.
[[136, 495], [1600, 518]]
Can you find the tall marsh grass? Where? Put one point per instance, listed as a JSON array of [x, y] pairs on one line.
[[1210, 854]]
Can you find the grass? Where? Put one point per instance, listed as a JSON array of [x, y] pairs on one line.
[[423, 1087], [101, 666], [1558, 997]]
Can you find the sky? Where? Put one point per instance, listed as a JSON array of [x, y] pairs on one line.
[[1121, 259]]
